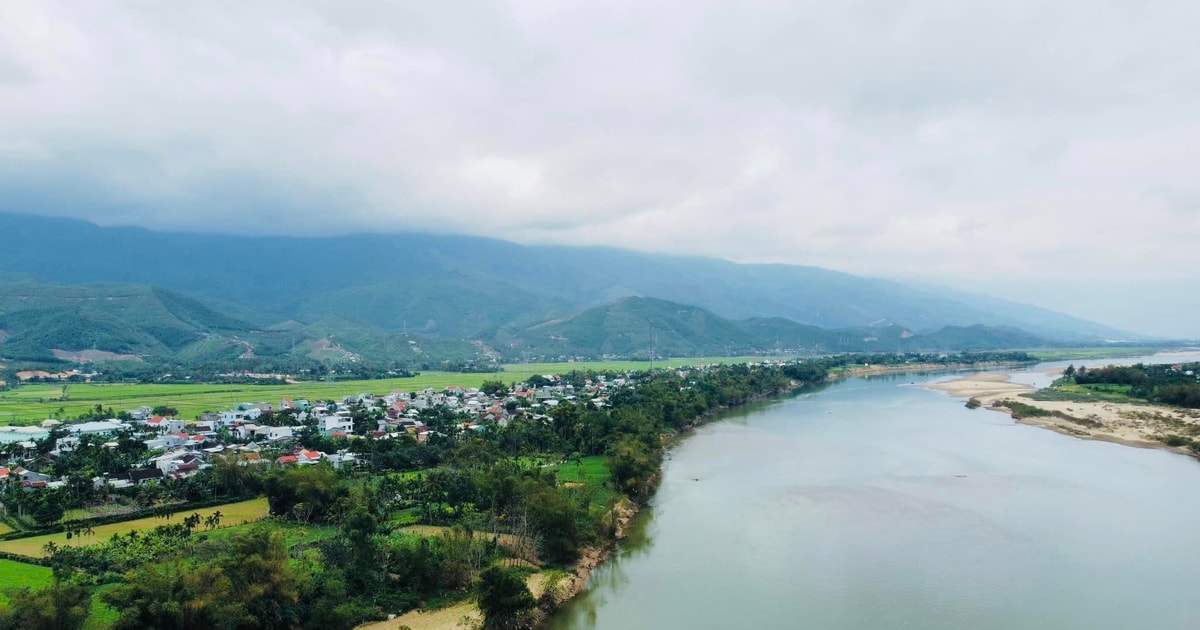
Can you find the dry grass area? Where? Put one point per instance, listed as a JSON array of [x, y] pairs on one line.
[[506, 540], [231, 514]]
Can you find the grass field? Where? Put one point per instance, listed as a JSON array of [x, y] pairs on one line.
[[18, 575], [1090, 393], [30, 404], [231, 514], [591, 473]]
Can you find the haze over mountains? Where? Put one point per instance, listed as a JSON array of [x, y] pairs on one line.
[[514, 298]]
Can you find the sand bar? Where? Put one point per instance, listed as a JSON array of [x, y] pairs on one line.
[[1133, 424]]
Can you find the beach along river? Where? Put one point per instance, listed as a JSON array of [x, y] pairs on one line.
[[876, 504]]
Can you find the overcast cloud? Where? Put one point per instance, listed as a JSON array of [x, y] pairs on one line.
[[1048, 152]]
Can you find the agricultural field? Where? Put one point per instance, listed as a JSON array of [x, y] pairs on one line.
[[1067, 354], [30, 404], [591, 474], [18, 575], [231, 514]]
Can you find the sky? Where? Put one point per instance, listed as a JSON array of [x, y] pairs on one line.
[[1042, 152]]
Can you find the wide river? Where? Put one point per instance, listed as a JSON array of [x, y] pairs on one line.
[[876, 504]]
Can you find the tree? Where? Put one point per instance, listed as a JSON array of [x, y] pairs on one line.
[[258, 567], [492, 388], [63, 606], [505, 601], [49, 512], [177, 595]]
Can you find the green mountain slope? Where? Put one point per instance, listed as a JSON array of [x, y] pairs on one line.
[[39, 319], [46, 323], [638, 327]]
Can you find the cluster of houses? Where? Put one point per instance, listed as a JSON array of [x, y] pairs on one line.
[[262, 434]]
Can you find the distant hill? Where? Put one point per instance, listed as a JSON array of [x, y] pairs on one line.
[[87, 324], [41, 320], [464, 287], [632, 327]]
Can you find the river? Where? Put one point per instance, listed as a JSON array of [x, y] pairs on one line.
[[876, 504]]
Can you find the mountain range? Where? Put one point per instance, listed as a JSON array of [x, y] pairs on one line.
[[212, 294]]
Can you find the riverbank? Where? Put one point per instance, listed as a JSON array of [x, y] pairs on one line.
[[466, 615], [854, 371], [1131, 424]]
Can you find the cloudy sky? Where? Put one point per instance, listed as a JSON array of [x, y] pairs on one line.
[[1047, 152]]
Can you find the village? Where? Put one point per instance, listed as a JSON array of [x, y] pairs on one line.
[[166, 447]]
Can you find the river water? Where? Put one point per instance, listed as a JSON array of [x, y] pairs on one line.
[[876, 504]]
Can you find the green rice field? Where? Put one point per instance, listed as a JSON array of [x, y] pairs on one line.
[[30, 404]]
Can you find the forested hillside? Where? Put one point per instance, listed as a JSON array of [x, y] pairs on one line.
[[467, 287]]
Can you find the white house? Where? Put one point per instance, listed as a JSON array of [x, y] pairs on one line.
[[97, 427], [334, 424], [234, 416]]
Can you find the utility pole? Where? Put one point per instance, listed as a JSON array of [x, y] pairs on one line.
[[652, 344]]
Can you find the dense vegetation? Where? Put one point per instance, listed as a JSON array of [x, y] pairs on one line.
[[1162, 383]]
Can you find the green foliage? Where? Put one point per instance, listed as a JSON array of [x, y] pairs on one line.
[[633, 466], [505, 600], [305, 493], [176, 594], [1161, 383], [63, 606]]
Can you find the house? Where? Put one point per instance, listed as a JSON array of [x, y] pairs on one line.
[[280, 433], [185, 465], [244, 431], [247, 459], [329, 425], [178, 461], [244, 413], [306, 456], [287, 459], [168, 441], [97, 427], [65, 445], [206, 428], [144, 476], [342, 459], [29, 475]]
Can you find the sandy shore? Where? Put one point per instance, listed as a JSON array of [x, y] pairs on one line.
[[1141, 425]]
